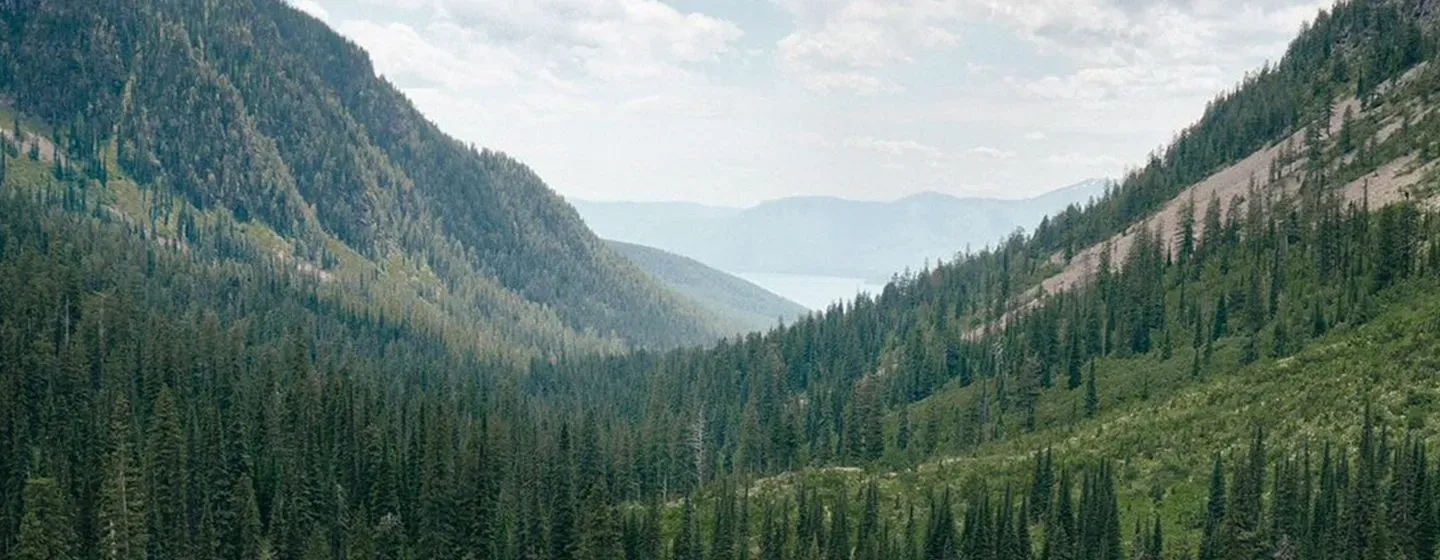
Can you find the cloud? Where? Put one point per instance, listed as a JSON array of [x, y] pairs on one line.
[[894, 147], [1137, 80], [606, 39], [858, 83], [935, 155], [1035, 136], [412, 57], [1086, 160], [311, 7], [989, 153], [552, 40], [680, 105], [838, 45], [1111, 43]]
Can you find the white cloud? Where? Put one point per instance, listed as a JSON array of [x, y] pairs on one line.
[[606, 39], [414, 58], [927, 94], [894, 147], [936, 156], [836, 40], [679, 105], [1086, 160], [858, 83], [989, 153], [311, 7], [556, 40]]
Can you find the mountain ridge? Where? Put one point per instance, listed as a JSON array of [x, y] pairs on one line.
[[317, 147], [819, 235], [745, 306]]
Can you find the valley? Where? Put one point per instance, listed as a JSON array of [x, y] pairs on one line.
[[255, 304]]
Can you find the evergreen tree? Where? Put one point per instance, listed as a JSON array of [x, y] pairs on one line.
[[1215, 515], [940, 539], [838, 543], [46, 532], [167, 480], [121, 517], [1242, 534], [686, 545], [1092, 395], [563, 541]]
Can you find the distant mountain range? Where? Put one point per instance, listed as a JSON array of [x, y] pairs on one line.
[[824, 235], [740, 305]]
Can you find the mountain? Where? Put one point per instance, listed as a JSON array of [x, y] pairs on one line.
[[1232, 354], [745, 306], [256, 111], [827, 236]]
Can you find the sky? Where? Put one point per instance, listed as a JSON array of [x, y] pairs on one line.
[[732, 102]]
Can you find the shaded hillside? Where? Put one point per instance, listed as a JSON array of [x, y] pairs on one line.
[[744, 306], [828, 236], [252, 108]]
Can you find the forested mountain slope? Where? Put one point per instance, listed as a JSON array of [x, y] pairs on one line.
[[256, 110], [178, 381], [744, 306]]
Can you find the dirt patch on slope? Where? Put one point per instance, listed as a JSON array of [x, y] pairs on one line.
[[1225, 186]]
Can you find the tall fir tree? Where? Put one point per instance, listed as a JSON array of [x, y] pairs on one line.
[[121, 519], [46, 531]]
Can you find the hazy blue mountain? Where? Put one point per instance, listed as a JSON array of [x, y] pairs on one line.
[[824, 235], [742, 306]]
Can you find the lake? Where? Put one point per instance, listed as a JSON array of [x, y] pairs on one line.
[[815, 292]]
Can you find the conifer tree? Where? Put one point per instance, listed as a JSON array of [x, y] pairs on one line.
[[46, 530], [167, 483], [686, 545], [1092, 395], [1243, 530], [838, 543], [868, 537], [1215, 514], [563, 541], [940, 539], [121, 520]]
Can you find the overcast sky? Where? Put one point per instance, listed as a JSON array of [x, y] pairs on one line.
[[737, 101]]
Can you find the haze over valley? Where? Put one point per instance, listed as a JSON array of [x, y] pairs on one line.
[[817, 250]]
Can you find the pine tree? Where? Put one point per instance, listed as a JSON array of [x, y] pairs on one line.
[[838, 543], [563, 542], [1061, 537], [121, 517], [1215, 514], [1365, 530], [686, 545], [245, 539], [167, 470], [46, 530], [1092, 395], [1243, 532], [940, 540], [1073, 361], [868, 538], [1042, 485]]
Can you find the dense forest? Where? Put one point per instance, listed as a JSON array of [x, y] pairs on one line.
[[253, 109], [208, 351]]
